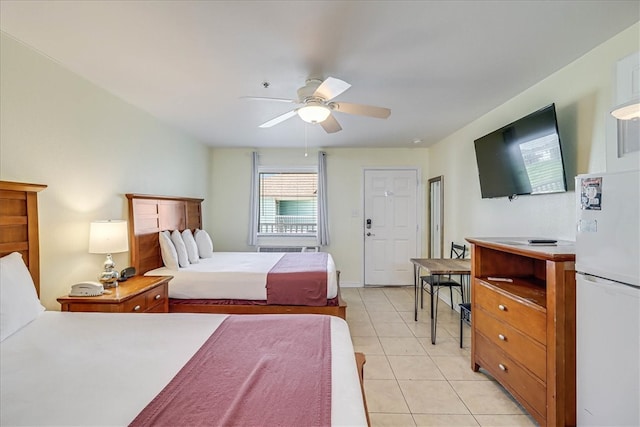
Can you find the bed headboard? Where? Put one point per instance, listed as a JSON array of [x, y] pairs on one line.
[[19, 224], [150, 214]]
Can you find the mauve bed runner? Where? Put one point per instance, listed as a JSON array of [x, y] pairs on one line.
[[299, 279], [254, 370]]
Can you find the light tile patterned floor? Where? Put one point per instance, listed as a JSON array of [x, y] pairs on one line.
[[409, 381]]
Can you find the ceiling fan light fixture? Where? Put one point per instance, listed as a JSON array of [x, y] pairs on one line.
[[314, 113], [628, 111]]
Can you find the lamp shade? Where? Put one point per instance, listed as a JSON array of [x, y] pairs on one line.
[[314, 113], [108, 237]]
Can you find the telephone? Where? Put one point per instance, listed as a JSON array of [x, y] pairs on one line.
[[86, 289]]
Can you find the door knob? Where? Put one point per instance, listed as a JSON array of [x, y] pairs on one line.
[[369, 234]]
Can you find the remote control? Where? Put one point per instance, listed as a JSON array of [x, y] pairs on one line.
[[539, 241]]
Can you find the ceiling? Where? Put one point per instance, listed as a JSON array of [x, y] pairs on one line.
[[437, 65]]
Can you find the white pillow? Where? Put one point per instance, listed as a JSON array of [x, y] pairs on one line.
[[192, 247], [183, 258], [19, 303], [205, 245], [169, 254]]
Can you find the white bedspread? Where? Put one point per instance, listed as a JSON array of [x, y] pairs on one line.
[[231, 275], [104, 368]]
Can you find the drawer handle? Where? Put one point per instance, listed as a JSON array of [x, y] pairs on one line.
[[502, 367], [157, 297], [502, 307], [136, 308], [502, 337]]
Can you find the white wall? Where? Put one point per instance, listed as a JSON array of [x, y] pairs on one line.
[[229, 198], [583, 95], [90, 148], [582, 92]]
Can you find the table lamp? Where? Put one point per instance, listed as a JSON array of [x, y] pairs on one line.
[[108, 237]]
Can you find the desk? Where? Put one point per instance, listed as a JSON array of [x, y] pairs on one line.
[[436, 267]]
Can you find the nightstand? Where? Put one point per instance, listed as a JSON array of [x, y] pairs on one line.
[[139, 294]]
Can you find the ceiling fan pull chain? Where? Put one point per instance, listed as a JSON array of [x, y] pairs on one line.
[[305, 140]]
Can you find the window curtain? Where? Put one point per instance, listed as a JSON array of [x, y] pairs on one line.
[[253, 203], [323, 217]]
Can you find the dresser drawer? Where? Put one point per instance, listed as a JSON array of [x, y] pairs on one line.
[[529, 390], [514, 343], [531, 321]]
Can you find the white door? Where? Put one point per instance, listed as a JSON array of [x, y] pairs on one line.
[[390, 226], [435, 217]]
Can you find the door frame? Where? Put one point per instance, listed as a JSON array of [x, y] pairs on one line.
[[419, 208], [441, 213]]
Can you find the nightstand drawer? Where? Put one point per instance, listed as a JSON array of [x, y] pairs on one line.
[[517, 314], [137, 304], [157, 297]]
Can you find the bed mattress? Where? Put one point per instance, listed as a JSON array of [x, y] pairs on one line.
[[231, 275], [104, 368]]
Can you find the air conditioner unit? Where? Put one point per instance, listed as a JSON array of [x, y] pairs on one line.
[[288, 248]]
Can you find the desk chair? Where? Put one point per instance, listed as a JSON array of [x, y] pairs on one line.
[[465, 317], [457, 252]]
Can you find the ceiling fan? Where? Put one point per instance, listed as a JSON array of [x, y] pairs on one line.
[[316, 105]]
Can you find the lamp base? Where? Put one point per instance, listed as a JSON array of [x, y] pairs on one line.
[[108, 280], [109, 277]]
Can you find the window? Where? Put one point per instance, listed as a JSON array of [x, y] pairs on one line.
[[288, 203]]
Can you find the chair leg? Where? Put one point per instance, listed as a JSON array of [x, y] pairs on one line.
[[461, 315], [421, 294], [451, 295]]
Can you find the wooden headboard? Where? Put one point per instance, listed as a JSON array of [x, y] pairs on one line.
[[149, 215], [19, 224]]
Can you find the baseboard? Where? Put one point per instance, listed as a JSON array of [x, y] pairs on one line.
[[351, 284]]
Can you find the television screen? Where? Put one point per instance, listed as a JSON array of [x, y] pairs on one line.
[[524, 157]]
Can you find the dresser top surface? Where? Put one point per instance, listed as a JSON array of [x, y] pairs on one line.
[[563, 250]]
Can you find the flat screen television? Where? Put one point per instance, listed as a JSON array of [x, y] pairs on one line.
[[523, 157]]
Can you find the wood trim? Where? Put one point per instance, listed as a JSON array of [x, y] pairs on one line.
[[152, 197], [360, 361], [432, 180], [21, 186], [19, 230], [339, 310]]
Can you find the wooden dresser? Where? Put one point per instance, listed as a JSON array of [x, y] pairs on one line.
[[523, 329], [139, 294]]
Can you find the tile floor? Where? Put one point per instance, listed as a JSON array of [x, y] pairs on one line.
[[409, 381]]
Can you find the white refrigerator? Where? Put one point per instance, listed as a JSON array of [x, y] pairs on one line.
[[608, 299]]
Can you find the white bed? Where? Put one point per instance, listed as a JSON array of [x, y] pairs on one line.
[[150, 215], [104, 368], [231, 275]]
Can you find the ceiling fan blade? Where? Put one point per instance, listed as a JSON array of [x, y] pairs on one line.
[[330, 88], [330, 124], [361, 110], [263, 98], [279, 119]]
